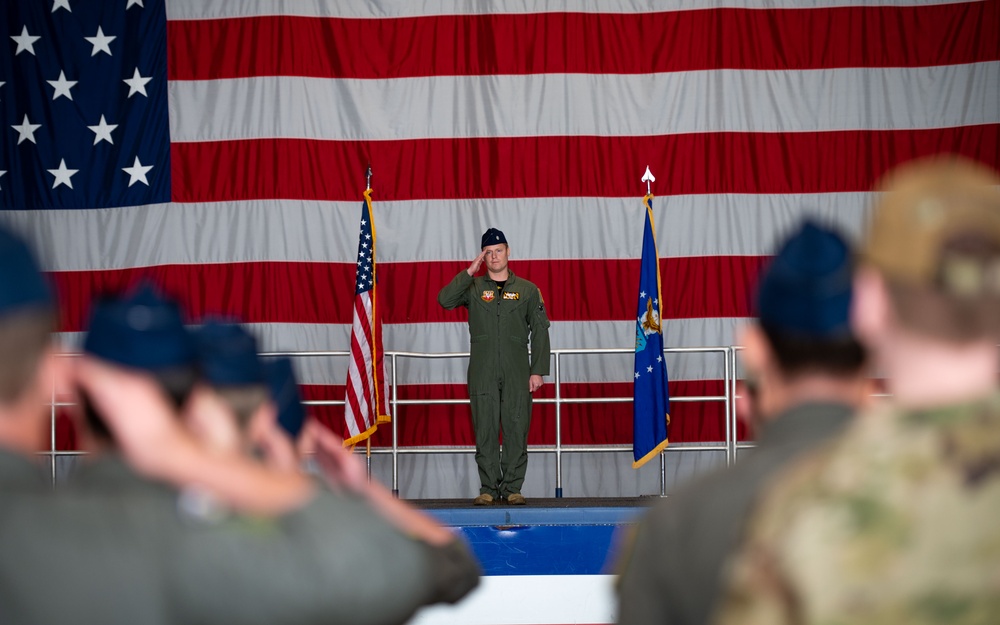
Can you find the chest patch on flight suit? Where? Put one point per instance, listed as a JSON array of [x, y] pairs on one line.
[[488, 296], [512, 296]]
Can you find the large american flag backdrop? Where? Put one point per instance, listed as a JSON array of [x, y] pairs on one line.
[[243, 130]]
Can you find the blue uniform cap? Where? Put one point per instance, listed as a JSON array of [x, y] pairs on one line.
[[806, 290], [285, 393], [141, 331], [21, 282], [493, 237], [227, 354]]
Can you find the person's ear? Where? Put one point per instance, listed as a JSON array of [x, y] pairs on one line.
[[871, 308], [756, 354]]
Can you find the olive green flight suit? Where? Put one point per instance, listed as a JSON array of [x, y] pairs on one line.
[[500, 324]]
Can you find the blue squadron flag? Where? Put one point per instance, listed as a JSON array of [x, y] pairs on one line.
[[650, 397]]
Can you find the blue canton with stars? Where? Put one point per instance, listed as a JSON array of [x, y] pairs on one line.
[[366, 245], [83, 102]]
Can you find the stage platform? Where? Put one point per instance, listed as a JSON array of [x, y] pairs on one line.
[[553, 558], [540, 502]]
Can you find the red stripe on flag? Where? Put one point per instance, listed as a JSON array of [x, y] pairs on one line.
[[358, 373], [582, 424], [465, 45], [574, 290], [427, 424], [576, 166]]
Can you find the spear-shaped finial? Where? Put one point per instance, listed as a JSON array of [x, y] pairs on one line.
[[368, 176], [648, 178]]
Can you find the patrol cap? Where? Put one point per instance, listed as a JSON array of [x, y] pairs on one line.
[[21, 282], [806, 289], [285, 393], [927, 205], [493, 237], [142, 331], [227, 354]]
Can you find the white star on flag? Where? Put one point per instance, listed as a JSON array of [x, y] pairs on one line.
[[2, 83], [25, 42], [132, 3], [26, 131], [62, 86], [642, 294], [100, 41], [137, 172], [102, 131], [2, 172], [659, 359], [61, 4], [637, 375], [649, 369], [137, 83], [63, 175]]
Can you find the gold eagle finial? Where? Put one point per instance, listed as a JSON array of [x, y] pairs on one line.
[[650, 322]]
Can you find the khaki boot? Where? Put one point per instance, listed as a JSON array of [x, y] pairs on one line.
[[485, 499]]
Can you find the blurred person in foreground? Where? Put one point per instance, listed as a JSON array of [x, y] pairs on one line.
[[129, 552], [28, 365], [289, 413], [261, 394], [375, 559], [807, 375], [897, 521], [232, 373]]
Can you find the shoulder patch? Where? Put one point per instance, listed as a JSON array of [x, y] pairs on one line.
[[488, 295]]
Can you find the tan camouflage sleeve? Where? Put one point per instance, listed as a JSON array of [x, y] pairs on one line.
[[760, 587]]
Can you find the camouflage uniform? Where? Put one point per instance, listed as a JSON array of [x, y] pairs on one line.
[[670, 572], [897, 522], [500, 323]]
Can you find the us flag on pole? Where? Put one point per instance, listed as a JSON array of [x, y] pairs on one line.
[[366, 386]]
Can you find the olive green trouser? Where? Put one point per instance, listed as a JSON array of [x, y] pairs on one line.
[[497, 410]]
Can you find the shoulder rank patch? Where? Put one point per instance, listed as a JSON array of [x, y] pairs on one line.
[[488, 296], [512, 296]]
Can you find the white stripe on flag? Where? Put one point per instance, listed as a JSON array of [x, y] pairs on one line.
[[607, 105]]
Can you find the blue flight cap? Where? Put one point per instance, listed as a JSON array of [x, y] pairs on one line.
[[21, 282], [141, 331], [806, 290], [493, 237], [227, 354], [285, 393]]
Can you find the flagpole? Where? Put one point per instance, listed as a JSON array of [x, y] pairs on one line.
[[368, 440], [648, 178]]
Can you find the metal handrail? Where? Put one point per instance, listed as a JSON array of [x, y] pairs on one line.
[[730, 445]]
